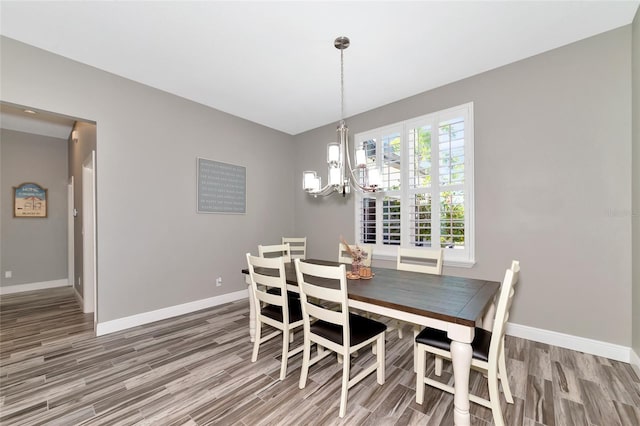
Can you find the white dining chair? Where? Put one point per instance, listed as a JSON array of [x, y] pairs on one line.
[[273, 308], [345, 257], [488, 352], [425, 260], [275, 250], [334, 327], [298, 246]]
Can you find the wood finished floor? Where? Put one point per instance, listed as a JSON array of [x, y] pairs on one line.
[[196, 370]]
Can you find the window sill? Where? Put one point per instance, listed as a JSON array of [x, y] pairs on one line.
[[451, 263], [460, 263]]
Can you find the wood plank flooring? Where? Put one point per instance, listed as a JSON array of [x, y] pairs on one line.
[[196, 370]]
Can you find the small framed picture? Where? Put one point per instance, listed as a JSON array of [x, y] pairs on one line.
[[29, 200]]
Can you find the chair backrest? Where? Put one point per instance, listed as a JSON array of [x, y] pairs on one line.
[[425, 260], [298, 246], [276, 250], [262, 272], [505, 299], [345, 257], [490, 315], [318, 284]]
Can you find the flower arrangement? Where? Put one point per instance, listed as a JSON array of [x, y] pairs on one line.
[[357, 255], [355, 252]]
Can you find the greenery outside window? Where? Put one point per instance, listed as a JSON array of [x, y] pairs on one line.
[[426, 190]]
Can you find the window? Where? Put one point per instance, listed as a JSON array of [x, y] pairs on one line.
[[426, 186]]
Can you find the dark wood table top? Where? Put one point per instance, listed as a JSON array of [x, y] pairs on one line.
[[452, 299]]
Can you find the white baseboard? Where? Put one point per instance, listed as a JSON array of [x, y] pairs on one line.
[[593, 347], [635, 362], [19, 288], [164, 313]]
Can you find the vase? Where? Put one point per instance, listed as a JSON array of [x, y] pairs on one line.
[[355, 267]]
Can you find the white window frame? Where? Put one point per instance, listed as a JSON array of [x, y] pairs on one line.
[[452, 257]]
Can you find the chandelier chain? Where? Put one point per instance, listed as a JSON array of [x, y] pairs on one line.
[[341, 84]]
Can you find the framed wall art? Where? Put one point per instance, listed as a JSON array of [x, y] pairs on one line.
[[221, 187], [29, 200]]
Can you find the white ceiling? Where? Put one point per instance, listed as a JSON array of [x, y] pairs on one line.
[[274, 62]]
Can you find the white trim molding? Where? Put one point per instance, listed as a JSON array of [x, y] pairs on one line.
[[19, 288], [635, 362], [452, 263], [581, 344], [79, 297], [170, 312]]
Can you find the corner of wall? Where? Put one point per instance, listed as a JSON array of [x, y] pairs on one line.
[[635, 190], [635, 362]]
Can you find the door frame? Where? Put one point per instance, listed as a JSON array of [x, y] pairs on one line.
[[89, 246], [71, 273]]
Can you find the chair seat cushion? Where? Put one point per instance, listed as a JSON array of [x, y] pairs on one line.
[[290, 294], [438, 339], [275, 312], [360, 329]]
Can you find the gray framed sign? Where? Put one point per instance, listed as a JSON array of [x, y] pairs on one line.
[[221, 187]]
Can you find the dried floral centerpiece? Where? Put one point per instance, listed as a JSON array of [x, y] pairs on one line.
[[357, 254]]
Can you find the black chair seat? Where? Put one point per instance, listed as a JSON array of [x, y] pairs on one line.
[[360, 329], [290, 294], [275, 312], [438, 339]]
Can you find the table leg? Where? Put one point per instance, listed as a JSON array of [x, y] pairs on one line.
[[461, 359]]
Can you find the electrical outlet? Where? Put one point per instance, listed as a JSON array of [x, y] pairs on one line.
[[218, 281], [8, 274]]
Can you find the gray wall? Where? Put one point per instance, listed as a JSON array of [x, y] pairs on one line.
[[34, 249], [552, 182], [636, 183], [78, 151], [154, 251]]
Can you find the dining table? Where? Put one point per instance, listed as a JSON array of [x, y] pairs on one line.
[[452, 304]]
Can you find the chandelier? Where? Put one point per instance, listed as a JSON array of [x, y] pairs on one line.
[[342, 176]]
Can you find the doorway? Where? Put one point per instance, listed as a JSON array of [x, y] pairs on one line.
[[80, 135]]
